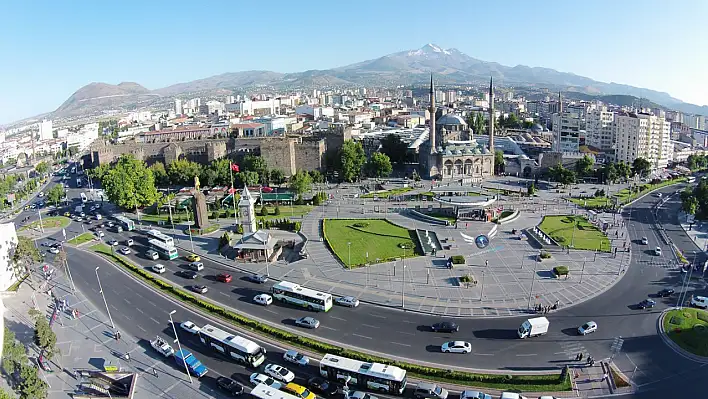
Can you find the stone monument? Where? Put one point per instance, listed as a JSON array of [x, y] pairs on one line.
[[248, 213], [201, 214]]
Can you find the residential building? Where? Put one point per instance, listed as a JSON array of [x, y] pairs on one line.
[[567, 131], [178, 107], [599, 128], [8, 241], [695, 121], [45, 130], [641, 135]]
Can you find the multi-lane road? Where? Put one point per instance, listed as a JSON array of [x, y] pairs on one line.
[[403, 334]]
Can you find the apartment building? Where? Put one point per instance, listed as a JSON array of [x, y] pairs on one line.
[[641, 135], [600, 129], [567, 129]]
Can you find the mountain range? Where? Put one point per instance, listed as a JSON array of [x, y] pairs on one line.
[[449, 66]]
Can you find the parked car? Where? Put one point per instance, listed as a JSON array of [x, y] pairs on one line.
[[129, 242], [200, 289], [666, 292], [257, 278], [587, 328], [699, 302], [657, 251], [349, 301], [647, 303], [361, 395], [645, 241], [54, 250], [124, 251], [296, 357], [445, 326], [224, 277], [232, 387], [158, 268], [474, 395], [456, 347], [279, 372], [263, 299], [307, 322], [189, 327], [257, 378], [100, 234], [428, 390]]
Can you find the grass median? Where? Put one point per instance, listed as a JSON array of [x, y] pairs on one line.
[[80, 239], [52, 222], [527, 383], [576, 231], [688, 328]]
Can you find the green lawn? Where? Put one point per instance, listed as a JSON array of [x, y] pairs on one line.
[[53, 222], [388, 193], [592, 202], [80, 239], [286, 211], [378, 237], [623, 196], [442, 216], [689, 329], [586, 235]]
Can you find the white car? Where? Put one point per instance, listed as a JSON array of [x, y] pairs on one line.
[[587, 328], [456, 347], [124, 251], [158, 268], [699, 302], [361, 395], [129, 242], [296, 357], [110, 224], [657, 251], [54, 250], [196, 266], [189, 327], [150, 254], [263, 299], [645, 241], [511, 395], [279, 372], [100, 234], [349, 301], [98, 216], [257, 378]]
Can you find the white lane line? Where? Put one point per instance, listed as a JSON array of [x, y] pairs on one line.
[[141, 328], [338, 318], [528, 354], [139, 310], [484, 354], [224, 294], [377, 316], [329, 328], [409, 322], [560, 353], [270, 311], [406, 333], [156, 322], [362, 336], [369, 325], [127, 301], [398, 343]]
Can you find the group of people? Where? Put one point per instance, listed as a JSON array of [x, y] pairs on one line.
[[545, 309], [590, 360]]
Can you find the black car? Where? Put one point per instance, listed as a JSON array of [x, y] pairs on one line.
[[321, 386], [647, 303], [445, 326], [188, 274], [230, 386], [666, 292]]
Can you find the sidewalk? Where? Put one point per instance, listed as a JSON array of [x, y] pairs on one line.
[[88, 343]]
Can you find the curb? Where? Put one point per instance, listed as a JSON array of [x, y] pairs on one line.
[[673, 345]]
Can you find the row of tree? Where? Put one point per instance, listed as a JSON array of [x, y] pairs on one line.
[[694, 200], [610, 172], [697, 162], [349, 163]]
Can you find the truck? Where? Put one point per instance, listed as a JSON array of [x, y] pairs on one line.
[[533, 327], [162, 347], [195, 367]]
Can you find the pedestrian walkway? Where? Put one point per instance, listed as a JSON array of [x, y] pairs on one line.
[[87, 343]]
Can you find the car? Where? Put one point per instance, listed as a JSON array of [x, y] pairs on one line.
[[699, 302], [150, 254], [349, 301], [263, 299], [82, 214], [645, 241], [190, 274], [100, 234], [587, 328], [129, 242], [193, 258], [196, 266], [199, 289], [299, 391], [258, 378], [647, 303], [124, 251], [79, 219], [456, 347], [102, 225], [666, 292], [279, 372], [296, 357], [322, 386], [113, 243], [257, 278], [232, 387], [98, 216], [111, 224], [56, 245], [659, 195], [428, 390], [53, 250], [224, 277], [360, 395], [307, 322], [47, 244], [189, 327], [657, 251], [474, 395], [445, 326], [158, 268], [67, 214]]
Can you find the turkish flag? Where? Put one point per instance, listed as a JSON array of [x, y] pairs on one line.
[[232, 190], [234, 167]]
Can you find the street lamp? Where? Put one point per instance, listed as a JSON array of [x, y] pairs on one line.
[[533, 280], [180, 346], [349, 244], [104, 299]]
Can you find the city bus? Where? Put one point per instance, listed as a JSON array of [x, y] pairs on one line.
[[358, 374], [157, 235], [127, 224], [165, 251], [293, 293], [83, 198], [235, 347], [263, 391]]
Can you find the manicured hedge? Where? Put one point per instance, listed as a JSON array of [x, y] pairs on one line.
[[560, 270], [547, 382], [457, 259]]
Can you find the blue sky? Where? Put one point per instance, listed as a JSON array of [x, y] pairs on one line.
[[52, 48]]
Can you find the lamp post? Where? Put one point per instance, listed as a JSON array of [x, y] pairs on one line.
[[533, 280], [582, 272], [481, 294], [403, 288], [349, 245], [180, 346], [104, 298], [41, 225]]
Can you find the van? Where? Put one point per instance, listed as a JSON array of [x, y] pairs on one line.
[[98, 216], [427, 390], [196, 266], [699, 302], [150, 254]]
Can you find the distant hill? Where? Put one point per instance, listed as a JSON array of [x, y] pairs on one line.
[[102, 96]]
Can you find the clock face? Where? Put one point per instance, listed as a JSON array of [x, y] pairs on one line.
[[482, 241]]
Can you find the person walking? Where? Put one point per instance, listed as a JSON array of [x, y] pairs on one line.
[[580, 357], [486, 263], [154, 372], [604, 377]]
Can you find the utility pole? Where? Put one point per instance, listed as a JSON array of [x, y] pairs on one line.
[[533, 280], [179, 346], [582, 272], [104, 299]]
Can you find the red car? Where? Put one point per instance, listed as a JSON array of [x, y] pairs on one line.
[[224, 278]]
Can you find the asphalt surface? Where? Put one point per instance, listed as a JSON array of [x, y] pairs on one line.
[[404, 334]]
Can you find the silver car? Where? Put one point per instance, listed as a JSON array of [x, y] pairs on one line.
[[307, 322], [348, 301]]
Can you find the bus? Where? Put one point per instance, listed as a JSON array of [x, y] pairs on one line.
[[238, 348], [314, 300], [157, 235], [364, 375], [127, 224], [165, 251], [263, 391]]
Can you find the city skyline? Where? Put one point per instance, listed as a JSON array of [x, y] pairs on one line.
[[56, 49]]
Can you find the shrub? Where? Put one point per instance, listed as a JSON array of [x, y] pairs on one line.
[[545, 255], [362, 225], [299, 200], [276, 211], [457, 260], [466, 278], [560, 270], [264, 211]]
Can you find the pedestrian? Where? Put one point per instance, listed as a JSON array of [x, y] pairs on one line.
[[486, 263], [581, 357], [577, 357], [557, 302], [604, 377], [154, 372], [127, 357]]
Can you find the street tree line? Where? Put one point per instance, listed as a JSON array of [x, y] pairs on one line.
[[610, 172], [694, 200], [697, 162]]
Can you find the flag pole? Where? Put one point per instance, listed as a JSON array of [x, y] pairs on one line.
[[233, 195]]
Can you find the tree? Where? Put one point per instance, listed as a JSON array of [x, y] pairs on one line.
[[160, 174], [42, 168], [183, 171], [264, 211], [44, 337], [583, 166], [317, 176], [300, 183], [55, 194], [379, 165], [394, 148], [130, 184], [690, 205], [276, 211], [31, 386], [277, 176], [5, 395], [247, 178], [624, 171], [24, 255], [531, 190], [477, 123], [256, 164], [498, 162], [14, 354], [351, 160], [641, 167]]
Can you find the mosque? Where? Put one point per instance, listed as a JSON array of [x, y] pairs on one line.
[[455, 155]]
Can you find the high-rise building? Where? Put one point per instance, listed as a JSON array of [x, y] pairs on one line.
[[641, 135], [599, 127], [178, 107], [45, 130]]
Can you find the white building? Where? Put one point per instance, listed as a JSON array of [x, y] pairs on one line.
[[600, 129], [84, 137], [178, 107], [567, 129], [8, 241], [45, 130], [643, 136], [695, 121]]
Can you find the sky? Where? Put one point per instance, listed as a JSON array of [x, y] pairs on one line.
[[52, 48]]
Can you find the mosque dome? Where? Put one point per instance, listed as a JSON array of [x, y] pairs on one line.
[[451, 119]]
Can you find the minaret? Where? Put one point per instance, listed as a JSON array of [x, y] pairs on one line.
[[491, 115], [433, 140]]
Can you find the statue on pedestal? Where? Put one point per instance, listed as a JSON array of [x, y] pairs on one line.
[[201, 214]]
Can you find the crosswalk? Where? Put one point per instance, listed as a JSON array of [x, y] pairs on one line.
[[572, 348]]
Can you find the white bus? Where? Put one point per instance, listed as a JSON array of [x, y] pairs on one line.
[[83, 198], [127, 224], [314, 300], [358, 374], [238, 348], [165, 251], [263, 391], [157, 235]]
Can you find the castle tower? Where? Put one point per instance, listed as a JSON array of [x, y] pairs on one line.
[[433, 139], [248, 213], [491, 115]]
